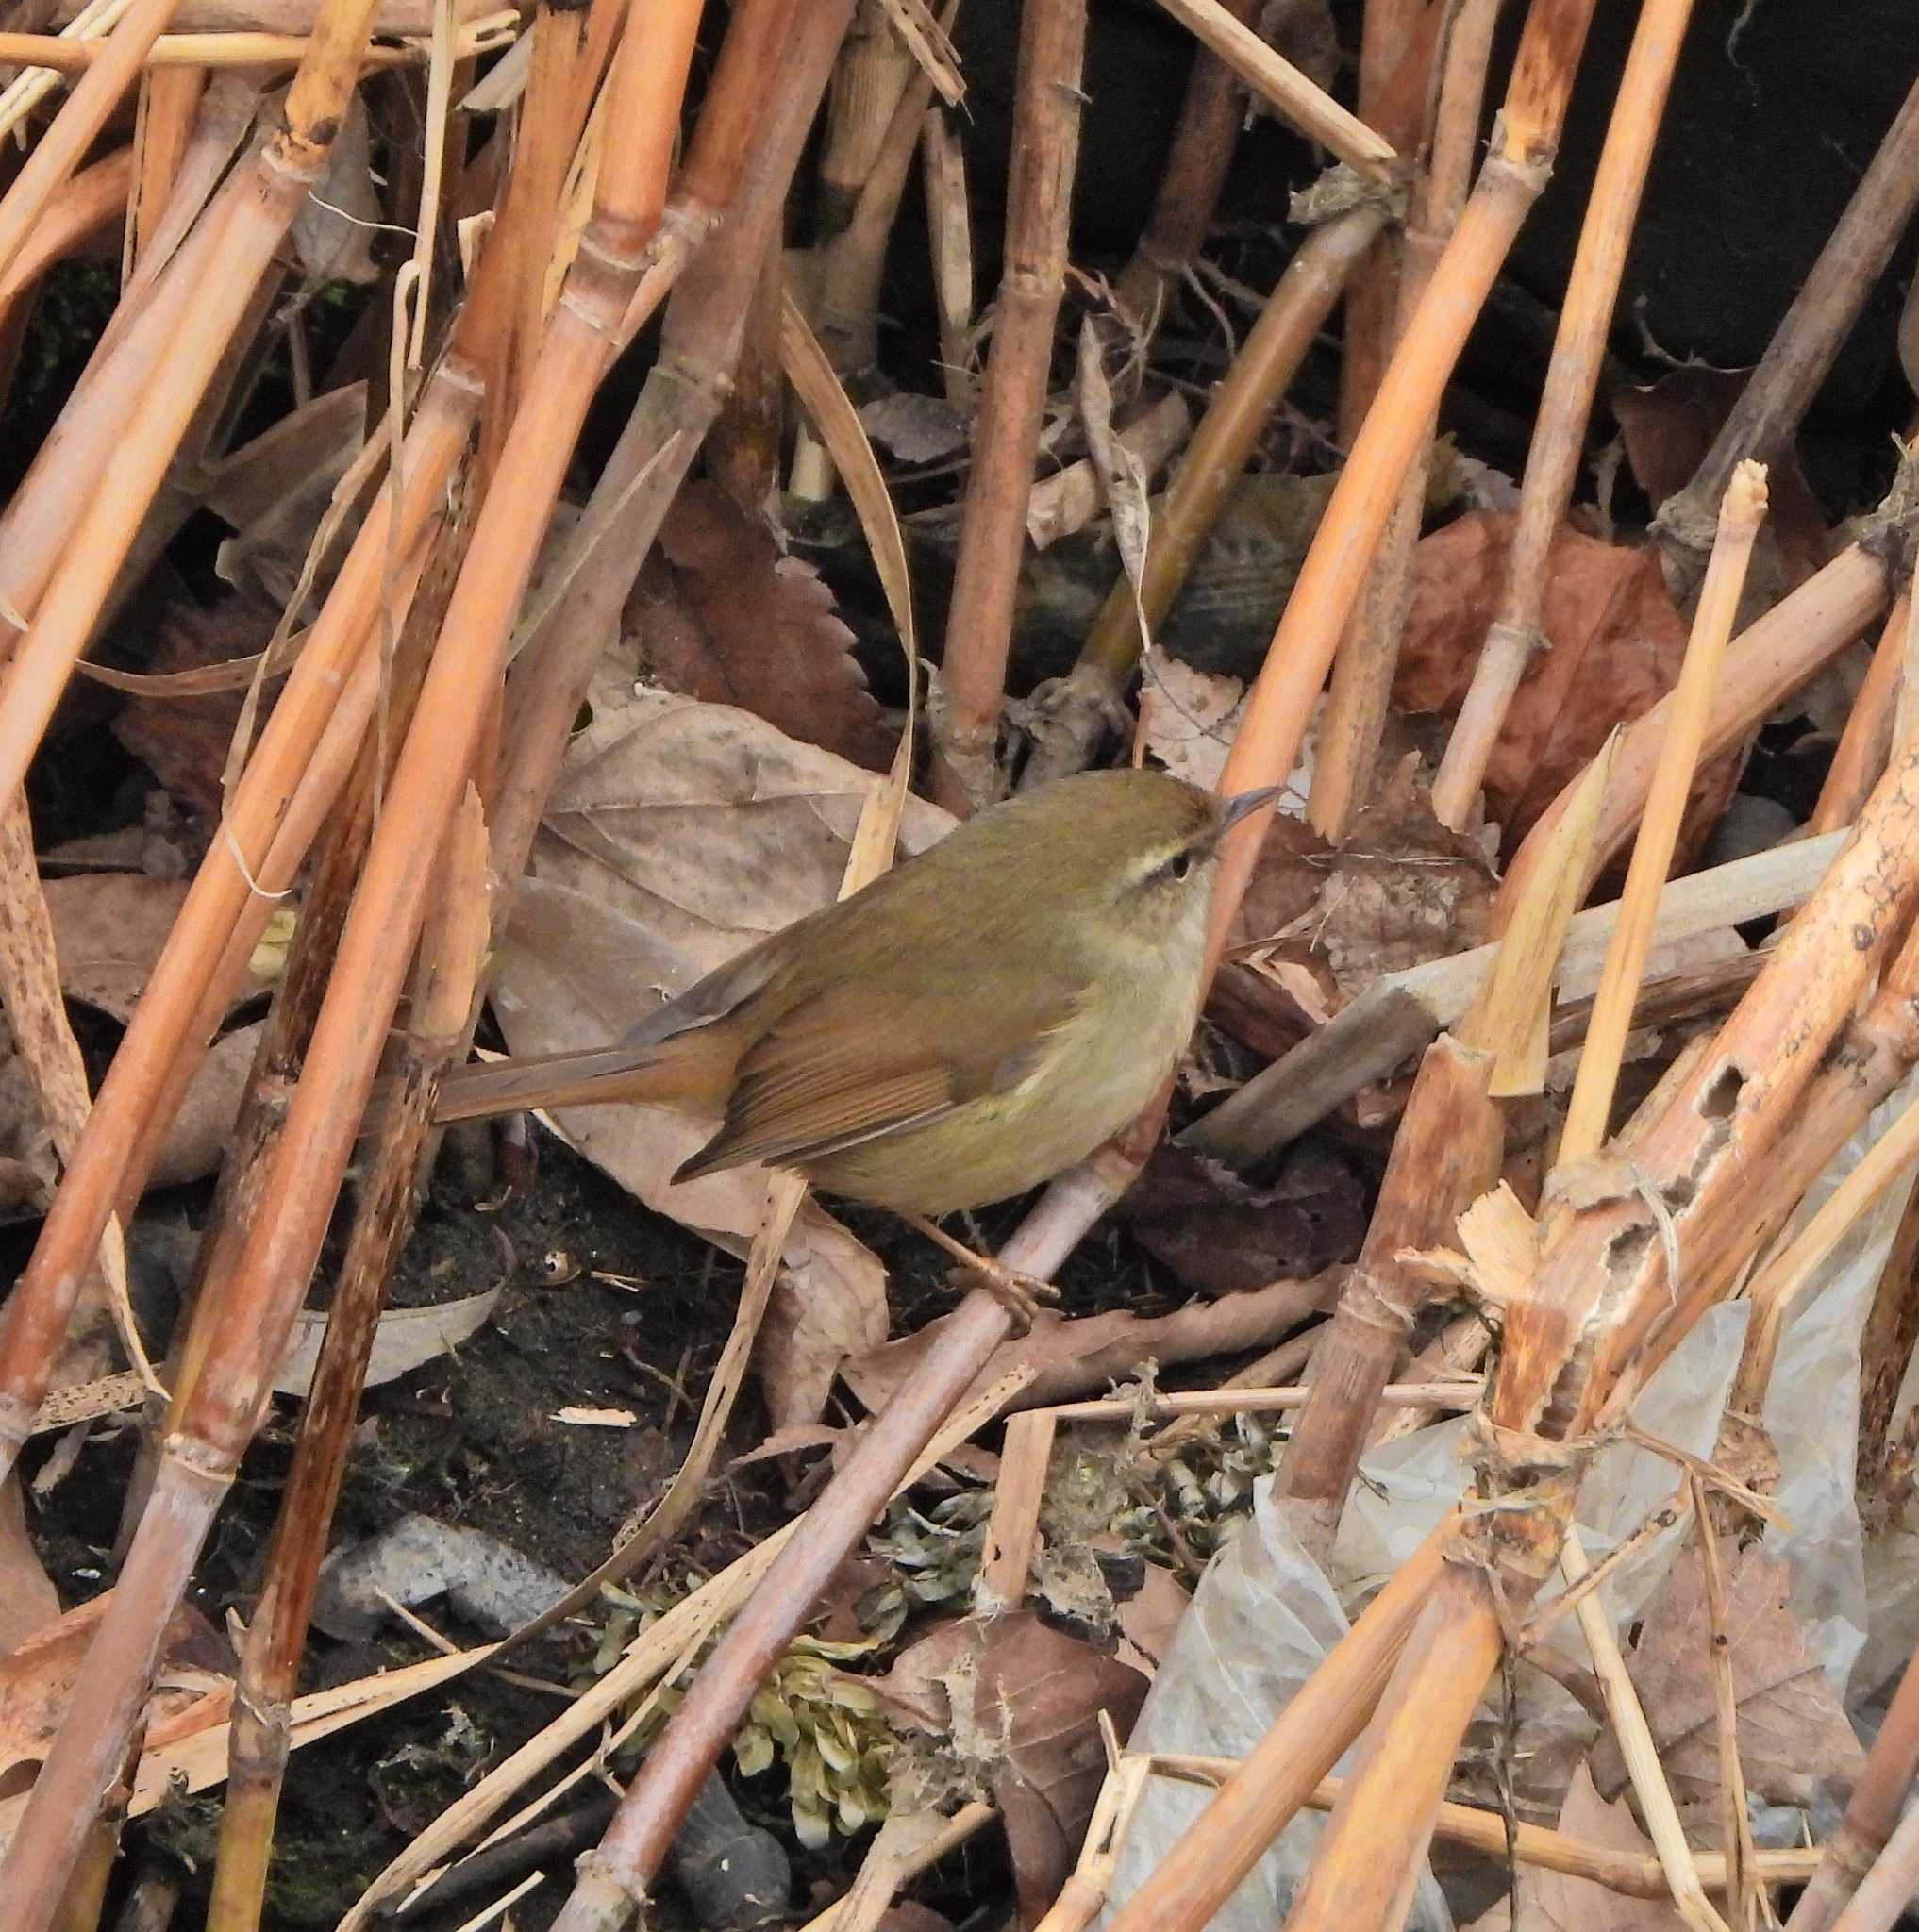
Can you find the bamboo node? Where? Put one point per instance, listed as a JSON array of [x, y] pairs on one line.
[[1891, 532], [1531, 167], [1362, 1301], [205, 1460], [1513, 1526], [1342, 188]]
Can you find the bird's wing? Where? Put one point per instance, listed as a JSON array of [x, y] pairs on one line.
[[850, 1065]]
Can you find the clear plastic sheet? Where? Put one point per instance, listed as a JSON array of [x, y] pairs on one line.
[[1262, 1619]]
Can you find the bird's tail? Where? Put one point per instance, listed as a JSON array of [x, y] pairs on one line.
[[584, 1077]]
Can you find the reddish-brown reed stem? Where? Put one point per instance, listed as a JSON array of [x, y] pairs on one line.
[[1005, 432]]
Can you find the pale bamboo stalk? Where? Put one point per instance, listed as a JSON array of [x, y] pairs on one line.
[[1367, 1862], [1741, 1856], [255, 221], [230, 900], [1280, 701], [87, 204], [1006, 430], [208, 51], [1298, 100], [1886, 1891], [258, 1748], [1567, 400], [1868, 738], [1459, 1392], [1787, 1274], [58, 152], [1591, 1106], [40, 520], [1870, 1813], [1632, 1875], [1781, 388], [950, 220], [1360, 694], [1012, 1531], [1197, 1877], [1236, 413], [1387, 32], [1767, 661], [263, 1293], [1190, 182], [1636, 1745], [162, 130]]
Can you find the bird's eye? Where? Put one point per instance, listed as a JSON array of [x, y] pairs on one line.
[[1179, 865]]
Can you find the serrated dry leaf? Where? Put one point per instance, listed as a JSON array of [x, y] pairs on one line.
[[1021, 1701], [1794, 1743], [719, 614]]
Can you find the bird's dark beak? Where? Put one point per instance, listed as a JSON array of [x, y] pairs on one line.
[[1243, 802]]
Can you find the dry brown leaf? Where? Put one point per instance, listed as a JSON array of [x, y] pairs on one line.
[[719, 614], [108, 929], [37, 1681], [1556, 1902], [184, 741], [1794, 1743], [1021, 1701], [1615, 645], [1081, 1357], [1148, 1618], [1667, 431], [404, 1339]]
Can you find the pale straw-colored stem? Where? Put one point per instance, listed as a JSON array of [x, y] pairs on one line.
[[1565, 402], [1591, 1106], [1297, 99]]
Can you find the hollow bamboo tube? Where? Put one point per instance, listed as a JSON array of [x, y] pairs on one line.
[[1567, 400]]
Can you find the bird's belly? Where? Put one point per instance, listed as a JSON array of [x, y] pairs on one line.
[[1092, 1081]]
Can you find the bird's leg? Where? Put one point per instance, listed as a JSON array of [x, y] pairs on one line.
[[1022, 1293]]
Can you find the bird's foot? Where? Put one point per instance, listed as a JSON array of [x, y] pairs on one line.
[[1020, 1294]]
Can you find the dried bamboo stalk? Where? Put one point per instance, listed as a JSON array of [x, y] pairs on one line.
[[1012, 1531], [1867, 739], [58, 152], [84, 205], [1768, 660], [1075, 714], [1871, 1812], [1359, 693], [272, 1267], [1006, 430], [1778, 393], [1567, 400], [276, 1641], [163, 127], [1591, 1106], [1297, 99]]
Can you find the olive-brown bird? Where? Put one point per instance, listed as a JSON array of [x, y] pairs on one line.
[[963, 1028]]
